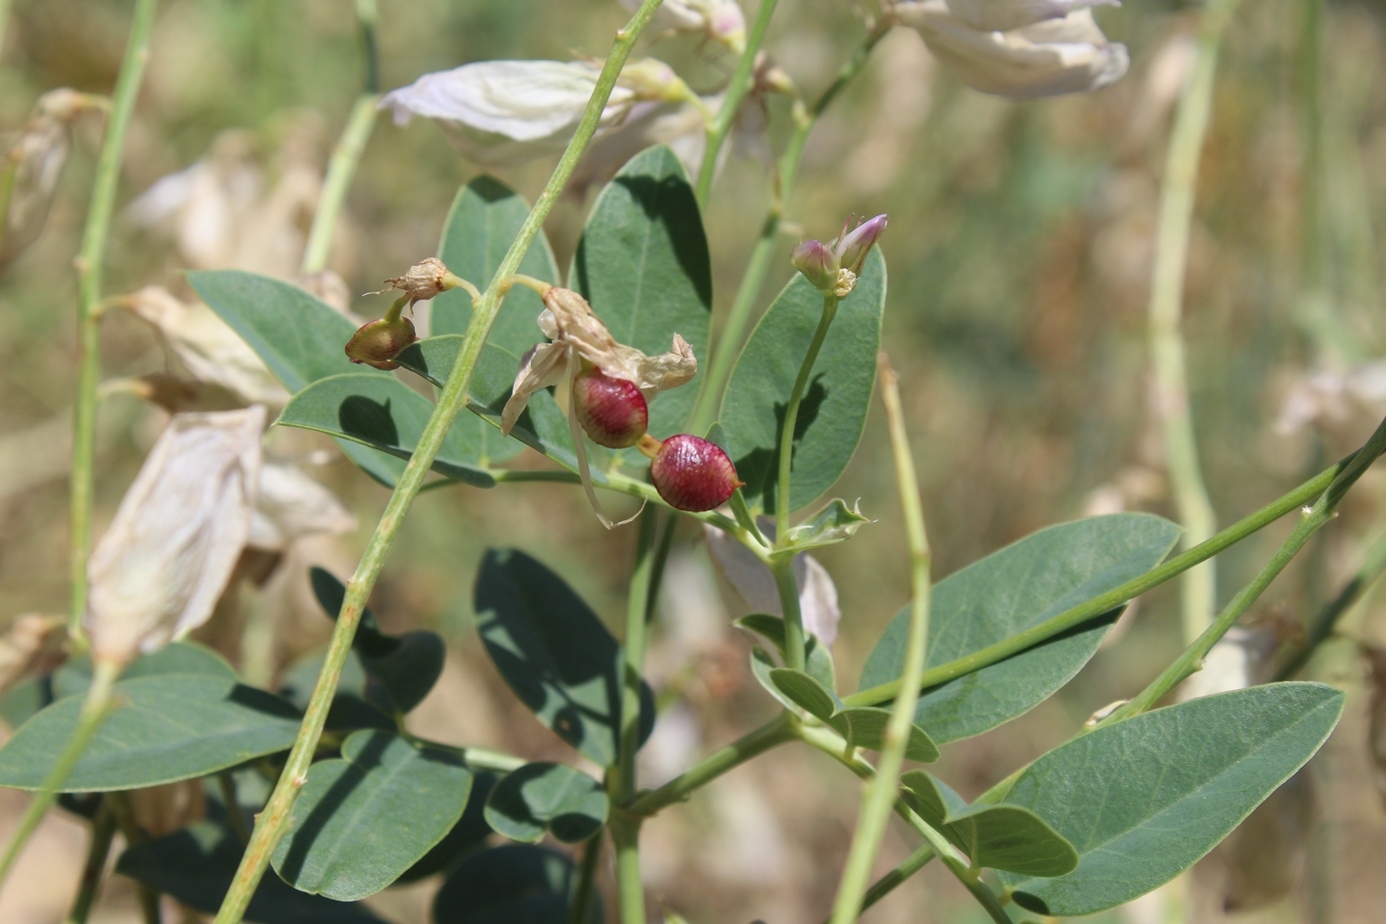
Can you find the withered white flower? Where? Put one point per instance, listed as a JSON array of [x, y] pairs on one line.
[[506, 112], [747, 586], [720, 20], [31, 169], [575, 332], [158, 570], [211, 350], [290, 504], [1018, 48]]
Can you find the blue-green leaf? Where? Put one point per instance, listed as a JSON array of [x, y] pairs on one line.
[[1011, 590], [547, 797], [1142, 799], [833, 411], [511, 884]]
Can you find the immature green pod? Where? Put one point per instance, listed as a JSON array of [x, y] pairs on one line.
[[377, 343], [693, 474], [612, 411]]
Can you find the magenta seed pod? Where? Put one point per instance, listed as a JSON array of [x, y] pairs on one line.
[[611, 410], [693, 474]]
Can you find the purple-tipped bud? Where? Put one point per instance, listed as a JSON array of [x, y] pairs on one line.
[[851, 249], [377, 343], [612, 411], [818, 264], [693, 474]]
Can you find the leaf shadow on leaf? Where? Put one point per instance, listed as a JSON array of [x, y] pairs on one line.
[[689, 245], [307, 833], [363, 418], [761, 464]]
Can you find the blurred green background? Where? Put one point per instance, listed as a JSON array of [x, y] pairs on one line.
[[1020, 244]]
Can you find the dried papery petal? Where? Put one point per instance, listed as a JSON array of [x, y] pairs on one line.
[[160, 567], [693, 474], [291, 504], [207, 346], [30, 171], [747, 585], [611, 411], [32, 645], [423, 281]]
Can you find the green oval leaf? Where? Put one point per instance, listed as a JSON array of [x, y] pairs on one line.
[[464, 838], [547, 797], [643, 264], [833, 410], [1003, 837], [196, 865], [865, 726], [168, 728], [364, 820], [805, 692], [554, 653], [74, 677], [297, 335], [485, 218], [1011, 590], [1141, 800], [818, 659], [510, 884], [383, 413]]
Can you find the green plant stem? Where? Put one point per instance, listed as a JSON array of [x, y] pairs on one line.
[[91, 265], [226, 782], [102, 833], [587, 878], [1171, 385], [630, 890], [795, 649], [880, 793], [779, 730], [733, 336], [347, 154], [274, 819], [737, 88], [1321, 629], [96, 707], [791, 415], [832, 744], [1310, 522], [903, 870], [1103, 603]]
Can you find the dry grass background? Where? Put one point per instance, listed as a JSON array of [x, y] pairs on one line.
[[1019, 248]]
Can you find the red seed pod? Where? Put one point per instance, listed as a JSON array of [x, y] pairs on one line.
[[692, 474], [611, 410]]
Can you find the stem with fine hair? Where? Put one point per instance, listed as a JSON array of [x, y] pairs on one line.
[[880, 793], [1322, 627], [737, 88], [96, 707], [1198, 588], [91, 265], [1115, 597], [274, 819], [345, 157], [103, 830], [729, 343]]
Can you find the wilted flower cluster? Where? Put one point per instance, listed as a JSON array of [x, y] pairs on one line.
[[1019, 48], [609, 385]]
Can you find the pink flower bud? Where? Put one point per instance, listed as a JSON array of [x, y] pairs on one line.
[[693, 474], [852, 247], [818, 264], [612, 411], [377, 343]]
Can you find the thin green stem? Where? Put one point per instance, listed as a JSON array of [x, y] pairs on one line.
[[791, 415], [733, 336], [880, 793], [1171, 386], [829, 742], [121, 809], [97, 706], [1321, 629], [91, 265], [581, 908], [226, 782], [347, 155], [903, 870], [795, 648], [1310, 522], [630, 890], [748, 746], [274, 819], [1108, 601], [102, 833], [737, 88]]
